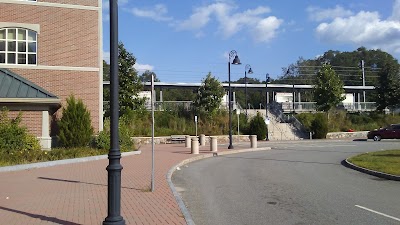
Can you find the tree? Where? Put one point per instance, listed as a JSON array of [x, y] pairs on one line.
[[328, 89], [146, 76], [106, 71], [388, 87], [129, 82], [75, 124], [209, 94], [258, 127]]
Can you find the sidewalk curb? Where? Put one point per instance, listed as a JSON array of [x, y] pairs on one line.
[[61, 162], [184, 210], [348, 164]]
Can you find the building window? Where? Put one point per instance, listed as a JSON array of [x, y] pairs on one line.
[[18, 46]]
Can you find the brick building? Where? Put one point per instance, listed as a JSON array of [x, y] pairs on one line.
[[50, 49]]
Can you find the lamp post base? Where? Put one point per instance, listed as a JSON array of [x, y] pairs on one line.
[[230, 147]]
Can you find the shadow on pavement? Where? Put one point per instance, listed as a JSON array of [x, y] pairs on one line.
[[36, 216], [80, 182], [361, 139]]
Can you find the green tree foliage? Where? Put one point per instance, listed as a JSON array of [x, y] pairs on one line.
[[328, 89], [75, 125], [209, 94], [346, 64], [13, 136], [319, 126], [126, 143], [257, 126], [129, 82], [146, 76], [388, 87], [106, 71], [181, 94]]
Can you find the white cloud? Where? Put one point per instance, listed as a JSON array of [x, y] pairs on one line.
[[158, 13], [362, 29], [318, 14], [229, 22], [266, 29], [143, 67], [396, 11]]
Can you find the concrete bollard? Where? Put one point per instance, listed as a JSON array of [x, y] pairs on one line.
[[195, 145], [188, 142], [213, 144], [202, 139], [253, 141]]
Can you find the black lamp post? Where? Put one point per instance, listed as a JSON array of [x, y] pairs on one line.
[[236, 61], [114, 167], [247, 69], [267, 80]]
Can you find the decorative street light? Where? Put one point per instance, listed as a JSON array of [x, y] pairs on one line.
[[236, 61], [267, 80], [114, 167], [247, 69]]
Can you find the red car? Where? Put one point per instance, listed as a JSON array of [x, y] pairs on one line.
[[390, 132]]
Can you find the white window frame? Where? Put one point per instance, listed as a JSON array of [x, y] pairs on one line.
[[18, 41]]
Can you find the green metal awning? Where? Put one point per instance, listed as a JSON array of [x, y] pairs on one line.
[[14, 86], [16, 90]]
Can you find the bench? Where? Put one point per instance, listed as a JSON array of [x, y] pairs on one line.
[[178, 138]]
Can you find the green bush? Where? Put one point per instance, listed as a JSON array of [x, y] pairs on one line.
[[258, 127], [75, 125], [319, 126], [102, 141], [306, 119], [13, 136]]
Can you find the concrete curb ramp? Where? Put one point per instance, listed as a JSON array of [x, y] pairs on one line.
[[61, 162], [184, 210], [348, 164]]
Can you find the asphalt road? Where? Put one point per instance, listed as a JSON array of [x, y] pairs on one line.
[[294, 183]]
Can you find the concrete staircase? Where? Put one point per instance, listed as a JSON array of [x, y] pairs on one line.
[[277, 129]]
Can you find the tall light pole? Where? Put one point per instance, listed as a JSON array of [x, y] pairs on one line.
[[114, 156], [236, 61], [267, 80], [248, 69]]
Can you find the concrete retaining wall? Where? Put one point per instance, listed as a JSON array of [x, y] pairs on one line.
[[167, 139], [347, 135], [242, 138]]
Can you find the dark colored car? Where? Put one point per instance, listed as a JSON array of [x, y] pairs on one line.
[[390, 132]]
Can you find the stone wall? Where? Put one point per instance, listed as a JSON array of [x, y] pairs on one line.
[[347, 135], [167, 139]]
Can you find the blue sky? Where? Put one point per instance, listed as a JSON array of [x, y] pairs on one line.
[[181, 41]]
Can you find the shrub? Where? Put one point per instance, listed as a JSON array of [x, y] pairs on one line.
[[306, 119], [319, 126], [102, 141], [75, 125], [258, 127], [13, 136]]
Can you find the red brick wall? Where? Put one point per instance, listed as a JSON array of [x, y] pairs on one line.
[[31, 119], [73, 2], [68, 37], [83, 85]]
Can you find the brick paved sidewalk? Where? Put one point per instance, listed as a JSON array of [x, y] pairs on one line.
[[77, 193]]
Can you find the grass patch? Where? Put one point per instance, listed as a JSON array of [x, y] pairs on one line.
[[382, 161], [34, 156]]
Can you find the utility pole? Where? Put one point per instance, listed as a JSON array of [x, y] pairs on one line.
[[363, 78]]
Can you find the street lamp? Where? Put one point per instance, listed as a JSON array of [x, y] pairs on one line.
[[267, 80], [236, 61], [247, 69], [114, 156]]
